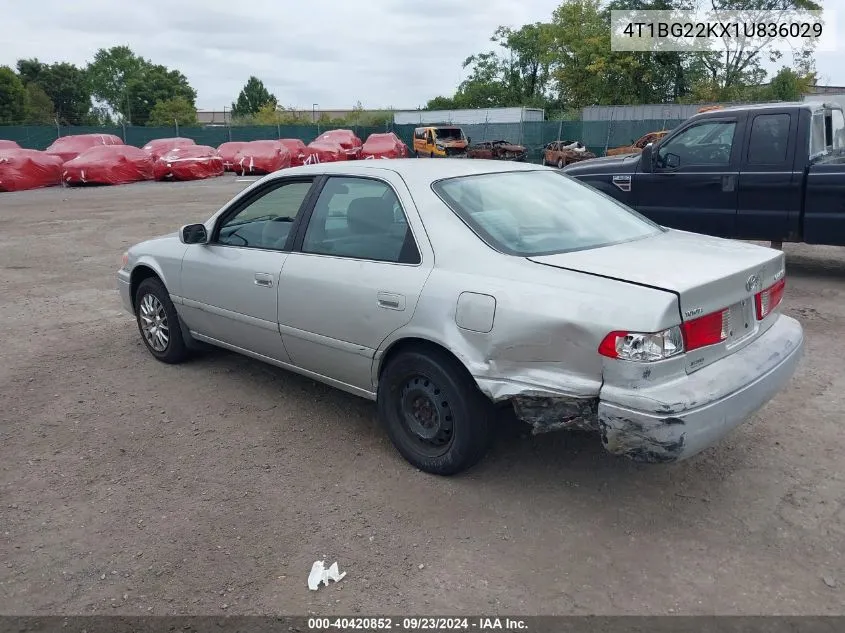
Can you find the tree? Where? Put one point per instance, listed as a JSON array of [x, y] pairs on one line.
[[110, 73], [268, 114], [30, 69], [38, 107], [153, 84], [787, 85], [517, 73], [12, 97], [66, 86], [178, 109], [740, 63], [251, 99], [441, 103]]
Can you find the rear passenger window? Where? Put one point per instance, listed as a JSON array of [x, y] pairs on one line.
[[360, 218], [769, 139]]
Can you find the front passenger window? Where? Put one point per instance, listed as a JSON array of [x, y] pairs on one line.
[[360, 218], [706, 144]]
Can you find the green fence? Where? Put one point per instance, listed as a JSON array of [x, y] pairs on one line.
[[534, 135]]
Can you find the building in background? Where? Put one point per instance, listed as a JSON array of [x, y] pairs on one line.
[[224, 117], [469, 116]]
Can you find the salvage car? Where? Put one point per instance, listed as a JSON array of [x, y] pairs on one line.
[[563, 153], [441, 289], [441, 141], [497, 150], [637, 146]]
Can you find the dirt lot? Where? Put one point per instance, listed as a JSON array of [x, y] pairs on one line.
[[128, 486]]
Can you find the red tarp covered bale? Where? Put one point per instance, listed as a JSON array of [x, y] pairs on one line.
[[160, 146], [346, 139], [109, 165], [262, 157], [324, 152], [22, 169], [384, 146], [227, 153], [298, 150], [4, 144], [69, 147], [194, 162]]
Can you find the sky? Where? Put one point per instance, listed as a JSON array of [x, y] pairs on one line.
[[333, 53]]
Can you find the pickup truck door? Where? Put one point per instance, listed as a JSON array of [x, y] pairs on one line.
[[770, 180], [823, 218], [693, 183]]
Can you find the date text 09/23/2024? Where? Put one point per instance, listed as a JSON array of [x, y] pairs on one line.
[[481, 624]]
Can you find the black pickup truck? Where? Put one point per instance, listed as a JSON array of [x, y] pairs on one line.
[[773, 172]]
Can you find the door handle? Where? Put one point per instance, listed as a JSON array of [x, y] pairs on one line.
[[265, 280], [391, 301]]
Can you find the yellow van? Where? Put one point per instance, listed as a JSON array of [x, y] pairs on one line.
[[440, 141]]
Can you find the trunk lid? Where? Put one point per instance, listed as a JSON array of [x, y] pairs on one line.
[[707, 274]]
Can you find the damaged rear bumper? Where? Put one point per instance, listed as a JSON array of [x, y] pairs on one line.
[[678, 419]]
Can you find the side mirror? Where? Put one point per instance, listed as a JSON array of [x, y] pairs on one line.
[[193, 234], [647, 159]]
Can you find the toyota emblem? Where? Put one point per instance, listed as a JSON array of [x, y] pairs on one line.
[[753, 283]]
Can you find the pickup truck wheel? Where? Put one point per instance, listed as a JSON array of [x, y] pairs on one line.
[[560, 163], [434, 413], [159, 323]]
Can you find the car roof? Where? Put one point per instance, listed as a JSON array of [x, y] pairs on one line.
[[430, 169], [781, 105]]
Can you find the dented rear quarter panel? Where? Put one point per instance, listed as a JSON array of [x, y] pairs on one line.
[[547, 324]]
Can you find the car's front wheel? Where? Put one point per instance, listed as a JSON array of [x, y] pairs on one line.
[[434, 413], [158, 322], [560, 163]]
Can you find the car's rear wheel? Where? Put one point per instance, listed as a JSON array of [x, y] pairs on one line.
[[158, 322], [560, 163], [434, 413]]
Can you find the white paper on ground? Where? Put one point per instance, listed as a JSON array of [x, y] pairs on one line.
[[319, 574]]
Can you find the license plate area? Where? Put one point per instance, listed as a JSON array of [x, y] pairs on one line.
[[741, 322]]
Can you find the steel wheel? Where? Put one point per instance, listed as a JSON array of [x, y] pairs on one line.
[[560, 163], [433, 411], [426, 415], [154, 325]]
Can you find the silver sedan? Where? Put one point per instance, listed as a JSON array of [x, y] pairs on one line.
[[443, 290]]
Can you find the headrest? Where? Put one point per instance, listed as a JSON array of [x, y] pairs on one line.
[[370, 215]]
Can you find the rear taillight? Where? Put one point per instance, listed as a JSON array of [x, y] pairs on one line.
[[642, 346], [768, 299], [707, 330]]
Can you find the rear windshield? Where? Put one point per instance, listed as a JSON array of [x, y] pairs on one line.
[[453, 134], [544, 212]]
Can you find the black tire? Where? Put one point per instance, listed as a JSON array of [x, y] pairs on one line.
[[429, 390], [174, 351], [560, 163], [431, 155]]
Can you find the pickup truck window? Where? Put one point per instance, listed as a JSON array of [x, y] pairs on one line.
[[706, 143], [837, 121], [769, 139], [817, 135]]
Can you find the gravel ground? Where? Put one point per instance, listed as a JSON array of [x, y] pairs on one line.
[[132, 487]]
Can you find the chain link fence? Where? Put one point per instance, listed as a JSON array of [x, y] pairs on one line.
[[534, 135]]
